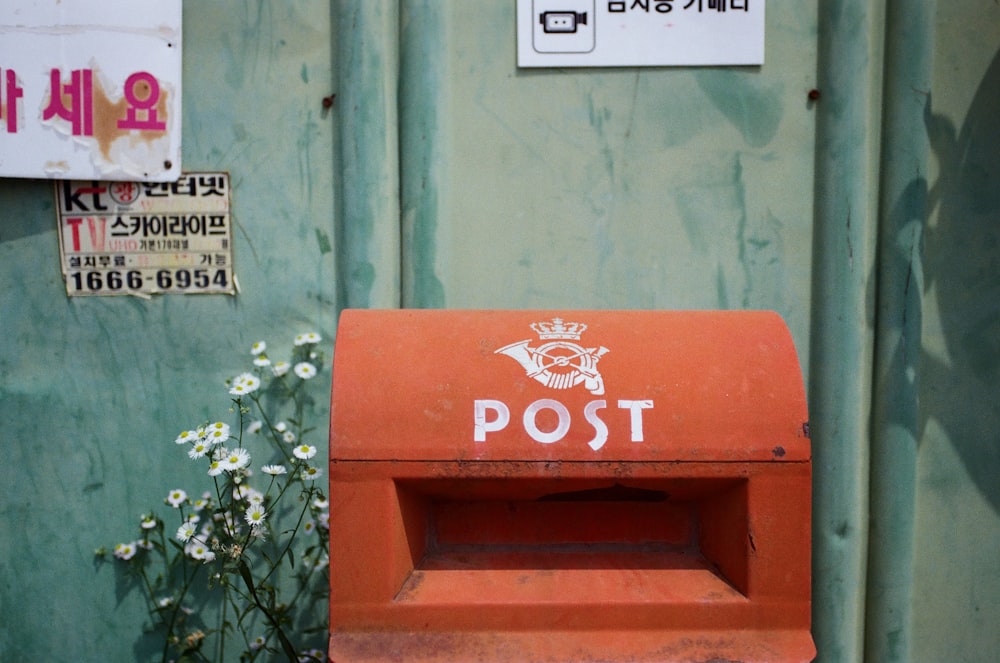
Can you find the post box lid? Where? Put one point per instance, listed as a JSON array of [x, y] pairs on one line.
[[467, 385]]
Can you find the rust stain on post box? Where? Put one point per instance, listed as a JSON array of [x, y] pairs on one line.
[[568, 486]]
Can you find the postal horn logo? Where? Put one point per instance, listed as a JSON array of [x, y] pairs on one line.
[[560, 362]]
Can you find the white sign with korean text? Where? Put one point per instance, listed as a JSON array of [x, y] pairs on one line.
[[130, 238], [90, 89], [625, 33]]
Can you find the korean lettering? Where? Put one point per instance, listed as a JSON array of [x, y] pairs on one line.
[[187, 185], [143, 103], [718, 5], [212, 185], [661, 6], [10, 92], [173, 225], [73, 101]]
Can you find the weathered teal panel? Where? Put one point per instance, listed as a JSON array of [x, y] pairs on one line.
[[93, 390], [605, 188], [956, 542]]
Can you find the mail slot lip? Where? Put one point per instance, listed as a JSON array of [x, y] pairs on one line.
[[703, 386]]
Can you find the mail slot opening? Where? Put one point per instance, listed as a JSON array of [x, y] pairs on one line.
[[683, 537]]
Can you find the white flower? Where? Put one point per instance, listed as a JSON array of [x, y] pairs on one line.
[[257, 643], [165, 602], [288, 436], [215, 468], [304, 451], [255, 426], [244, 383], [258, 348], [176, 498], [217, 433], [279, 368], [308, 526], [281, 427], [202, 502], [148, 521], [185, 531], [198, 549], [255, 497], [321, 503], [273, 470], [261, 361], [305, 370], [310, 473], [198, 449], [125, 551], [308, 337], [187, 436], [324, 519], [255, 515], [235, 460], [241, 492]]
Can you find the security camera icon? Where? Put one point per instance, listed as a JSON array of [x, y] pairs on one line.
[[562, 22], [563, 26]]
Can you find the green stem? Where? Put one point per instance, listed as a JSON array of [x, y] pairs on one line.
[[286, 645]]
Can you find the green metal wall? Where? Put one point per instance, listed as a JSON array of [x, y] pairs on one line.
[[445, 177]]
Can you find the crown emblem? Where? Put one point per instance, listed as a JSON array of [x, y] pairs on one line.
[[559, 329]]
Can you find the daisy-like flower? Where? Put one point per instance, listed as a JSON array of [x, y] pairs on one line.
[[258, 348], [308, 526], [257, 643], [305, 370], [255, 426], [261, 361], [217, 433], [199, 449], [176, 498], [308, 337], [202, 502], [235, 460], [310, 473], [148, 521], [165, 602], [215, 468], [185, 532], [255, 515], [288, 436], [244, 383], [321, 503], [241, 492], [187, 436], [323, 520], [125, 551], [304, 451], [198, 549], [274, 470], [279, 368]]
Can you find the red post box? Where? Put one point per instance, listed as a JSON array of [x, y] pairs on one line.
[[531, 486]]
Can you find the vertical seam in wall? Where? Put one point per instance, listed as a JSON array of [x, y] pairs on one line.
[[895, 413], [423, 82], [841, 343], [367, 225]]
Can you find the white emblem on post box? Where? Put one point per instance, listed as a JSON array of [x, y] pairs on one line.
[[560, 363]]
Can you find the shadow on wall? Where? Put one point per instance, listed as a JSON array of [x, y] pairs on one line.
[[962, 268]]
